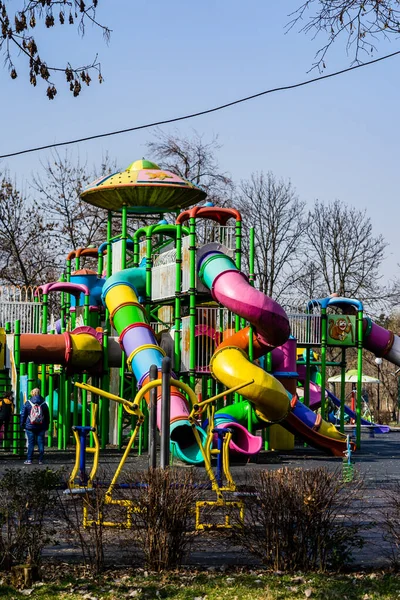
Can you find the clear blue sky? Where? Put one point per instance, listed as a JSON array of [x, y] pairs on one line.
[[333, 139]]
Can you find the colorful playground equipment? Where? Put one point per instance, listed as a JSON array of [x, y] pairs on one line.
[[175, 288]]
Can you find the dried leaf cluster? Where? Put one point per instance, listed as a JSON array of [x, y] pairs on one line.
[[18, 37]]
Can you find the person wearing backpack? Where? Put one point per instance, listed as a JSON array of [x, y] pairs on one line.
[[6, 411], [35, 419]]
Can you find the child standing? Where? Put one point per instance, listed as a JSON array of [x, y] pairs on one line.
[[35, 419]]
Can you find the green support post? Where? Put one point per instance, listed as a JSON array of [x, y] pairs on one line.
[[265, 432], [324, 332], [238, 262], [84, 401], [210, 388], [308, 377], [17, 435], [68, 269], [86, 310], [104, 402], [67, 307], [63, 313], [360, 319], [95, 399], [192, 302], [149, 265], [17, 342], [36, 315], [178, 285], [342, 389], [136, 251], [109, 244], [20, 438], [124, 236], [100, 264], [51, 405], [60, 415], [31, 377], [75, 413], [251, 257], [45, 312], [67, 413], [251, 344], [121, 393], [73, 318]]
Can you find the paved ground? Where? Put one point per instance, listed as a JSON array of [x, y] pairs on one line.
[[378, 462]]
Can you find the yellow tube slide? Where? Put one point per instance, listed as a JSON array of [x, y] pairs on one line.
[[231, 366]]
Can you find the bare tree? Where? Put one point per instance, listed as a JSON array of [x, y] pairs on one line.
[[79, 224], [17, 38], [309, 283], [272, 207], [26, 256], [360, 22], [195, 160], [341, 243]]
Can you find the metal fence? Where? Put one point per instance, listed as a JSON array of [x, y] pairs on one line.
[[17, 303], [212, 326], [305, 326]]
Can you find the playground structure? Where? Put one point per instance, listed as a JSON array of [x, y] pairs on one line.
[[177, 290]]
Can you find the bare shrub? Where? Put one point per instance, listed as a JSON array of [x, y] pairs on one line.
[[163, 518], [82, 512], [26, 510], [298, 519], [390, 514], [384, 417]]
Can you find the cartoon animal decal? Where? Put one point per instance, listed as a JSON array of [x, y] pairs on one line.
[[340, 328]]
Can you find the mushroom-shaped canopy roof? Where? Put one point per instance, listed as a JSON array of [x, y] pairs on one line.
[[144, 188]]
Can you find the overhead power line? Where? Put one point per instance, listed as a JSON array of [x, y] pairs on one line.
[[203, 112]]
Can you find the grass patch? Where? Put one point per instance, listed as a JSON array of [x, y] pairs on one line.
[[209, 585]]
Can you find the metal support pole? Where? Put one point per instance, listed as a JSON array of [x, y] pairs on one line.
[[153, 420], [165, 411], [360, 319], [342, 389], [324, 332]]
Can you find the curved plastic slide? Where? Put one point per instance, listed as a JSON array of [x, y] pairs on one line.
[[236, 417], [382, 342], [352, 415], [230, 363], [315, 402], [121, 296]]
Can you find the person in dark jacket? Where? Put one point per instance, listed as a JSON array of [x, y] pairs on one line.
[[6, 411], [35, 422]]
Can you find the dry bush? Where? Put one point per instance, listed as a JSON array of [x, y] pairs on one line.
[[298, 519], [390, 514], [163, 519], [26, 515], [92, 538], [384, 417]]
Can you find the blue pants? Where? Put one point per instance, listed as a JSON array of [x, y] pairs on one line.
[[35, 437]]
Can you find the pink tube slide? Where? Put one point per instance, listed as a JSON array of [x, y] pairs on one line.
[[242, 443], [233, 291]]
